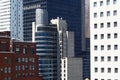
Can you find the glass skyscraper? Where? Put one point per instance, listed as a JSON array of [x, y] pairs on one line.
[[70, 10]]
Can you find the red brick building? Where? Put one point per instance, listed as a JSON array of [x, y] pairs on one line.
[[18, 60]]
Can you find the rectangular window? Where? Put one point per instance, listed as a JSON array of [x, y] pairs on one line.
[[101, 3], [109, 70], [102, 36], [95, 15], [95, 4], [108, 24], [96, 69], [116, 58], [115, 47], [108, 47], [115, 24], [108, 58], [101, 25], [95, 47], [95, 36], [115, 12], [116, 70], [32, 51], [102, 47], [17, 50], [3, 47], [108, 2], [102, 70], [115, 35], [101, 14], [108, 13], [95, 58], [114, 1], [108, 36], [95, 25], [102, 58], [24, 50]]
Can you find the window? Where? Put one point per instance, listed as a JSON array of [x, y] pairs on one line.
[[96, 69], [32, 51], [95, 36], [109, 70], [108, 58], [108, 36], [108, 24], [115, 35], [24, 50], [3, 47], [116, 70], [115, 47], [102, 36], [108, 47], [101, 25], [95, 4], [101, 14], [102, 58], [114, 1], [95, 47], [108, 2], [95, 15], [115, 12], [5, 70], [95, 58], [9, 70], [115, 24], [95, 25], [102, 47], [102, 70], [17, 50], [108, 13], [116, 58], [101, 3]]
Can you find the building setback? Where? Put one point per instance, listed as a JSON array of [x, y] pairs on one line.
[[105, 39], [19, 59], [11, 17]]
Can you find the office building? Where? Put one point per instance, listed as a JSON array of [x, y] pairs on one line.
[[18, 59], [85, 38], [105, 45], [45, 36], [70, 10], [11, 17], [69, 66]]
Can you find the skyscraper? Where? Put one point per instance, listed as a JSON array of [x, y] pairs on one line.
[[105, 45], [45, 36], [70, 10], [11, 17]]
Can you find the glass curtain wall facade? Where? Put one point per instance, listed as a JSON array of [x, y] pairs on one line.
[[46, 45], [70, 10]]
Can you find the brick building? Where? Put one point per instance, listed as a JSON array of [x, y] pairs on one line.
[[18, 60]]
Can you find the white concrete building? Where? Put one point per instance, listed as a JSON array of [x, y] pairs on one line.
[[105, 39], [11, 17]]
